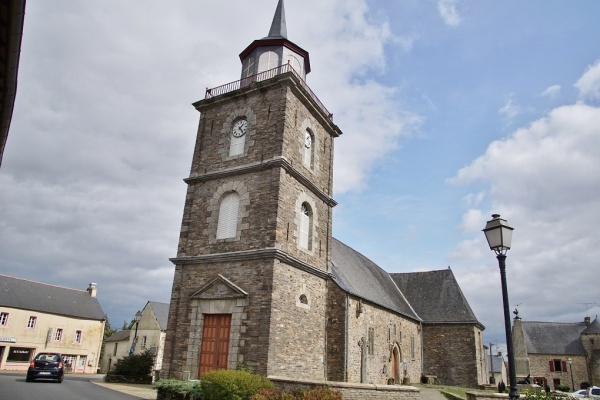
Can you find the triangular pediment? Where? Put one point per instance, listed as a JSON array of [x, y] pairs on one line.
[[219, 288]]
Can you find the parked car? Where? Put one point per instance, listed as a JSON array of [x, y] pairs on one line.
[[594, 392], [46, 366]]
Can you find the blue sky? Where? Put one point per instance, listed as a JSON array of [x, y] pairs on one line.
[[451, 111]]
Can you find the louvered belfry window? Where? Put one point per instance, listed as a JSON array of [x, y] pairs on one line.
[[305, 225], [228, 216]]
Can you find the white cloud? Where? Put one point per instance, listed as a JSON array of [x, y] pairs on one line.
[[589, 83], [449, 13], [543, 179], [472, 220], [510, 110], [551, 91]]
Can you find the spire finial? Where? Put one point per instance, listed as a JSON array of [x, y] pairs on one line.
[[278, 27]]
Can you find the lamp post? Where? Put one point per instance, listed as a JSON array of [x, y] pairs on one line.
[[499, 235], [138, 317], [570, 362]]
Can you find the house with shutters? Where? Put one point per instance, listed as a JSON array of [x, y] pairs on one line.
[[558, 353], [259, 280], [37, 317]]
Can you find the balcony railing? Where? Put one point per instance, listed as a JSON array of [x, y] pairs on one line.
[[230, 87]]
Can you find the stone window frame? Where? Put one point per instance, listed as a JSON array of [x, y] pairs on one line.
[[303, 291], [232, 301], [310, 126], [213, 210], [313, 237], [226, 130]]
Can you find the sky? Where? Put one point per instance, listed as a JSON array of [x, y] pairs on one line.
[[451, 111]]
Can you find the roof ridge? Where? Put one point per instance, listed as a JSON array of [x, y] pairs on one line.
[[43, 283]]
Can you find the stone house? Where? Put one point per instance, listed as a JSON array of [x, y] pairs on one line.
[[558, 353], [36, 317], [259, 280], [147, 334]]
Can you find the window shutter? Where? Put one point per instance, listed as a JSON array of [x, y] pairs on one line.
[[551, 365], [564, 366], [236, 145], [304, 226], [228, 216]]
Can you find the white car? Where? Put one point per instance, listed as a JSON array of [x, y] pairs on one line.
[[594, 391]]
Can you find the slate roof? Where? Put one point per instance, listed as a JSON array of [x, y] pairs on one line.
[[161, 312], [42, 297], [436, 296], [496, 363], [278, 26], [119, 336], [594, 328], [361, 277], [553, 337]]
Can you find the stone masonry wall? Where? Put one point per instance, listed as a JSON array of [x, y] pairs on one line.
[[297, 344], [540, 368], [450, 353], [252, 335], [336, 333], [352, 391], [379, 368]]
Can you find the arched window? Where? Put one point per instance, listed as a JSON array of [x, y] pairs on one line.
[[238, 137], [308, 148], [294, 63], [267, 60], [228, 216], [306, 226]]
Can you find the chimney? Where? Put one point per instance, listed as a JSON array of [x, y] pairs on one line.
[[92, 289], [500, 354], [587, 321]]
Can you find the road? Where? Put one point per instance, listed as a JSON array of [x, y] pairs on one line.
[[74, 387]]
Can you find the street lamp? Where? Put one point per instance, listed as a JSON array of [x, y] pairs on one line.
[[138, 317], [570, 362], [499, 235]]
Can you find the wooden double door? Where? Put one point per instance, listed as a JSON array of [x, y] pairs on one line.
[[215, 342]]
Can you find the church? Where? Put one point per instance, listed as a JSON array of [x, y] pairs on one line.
[[260, 282]]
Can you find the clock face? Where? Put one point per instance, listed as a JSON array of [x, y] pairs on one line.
[[307, 140], [239, 128]]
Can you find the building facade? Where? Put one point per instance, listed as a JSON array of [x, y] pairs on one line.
[[37, 317], [558, 353]]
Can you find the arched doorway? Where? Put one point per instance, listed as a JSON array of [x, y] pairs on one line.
[[396, 364]]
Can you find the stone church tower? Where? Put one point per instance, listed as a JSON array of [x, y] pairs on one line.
[[253, 262]]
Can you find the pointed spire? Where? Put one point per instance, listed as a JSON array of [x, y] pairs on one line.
[[278, 26]]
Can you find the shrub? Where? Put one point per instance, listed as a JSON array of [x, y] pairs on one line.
[[135, 367], [226, 384], [176, 389], [272, 394], [322, 393], [563, 388], [540, 395]]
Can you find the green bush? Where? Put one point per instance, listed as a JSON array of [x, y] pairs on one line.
[[176, 389], [135, 366], [232, 385], [563, 388]]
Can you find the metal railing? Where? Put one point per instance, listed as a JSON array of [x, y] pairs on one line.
[[230, 87]]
